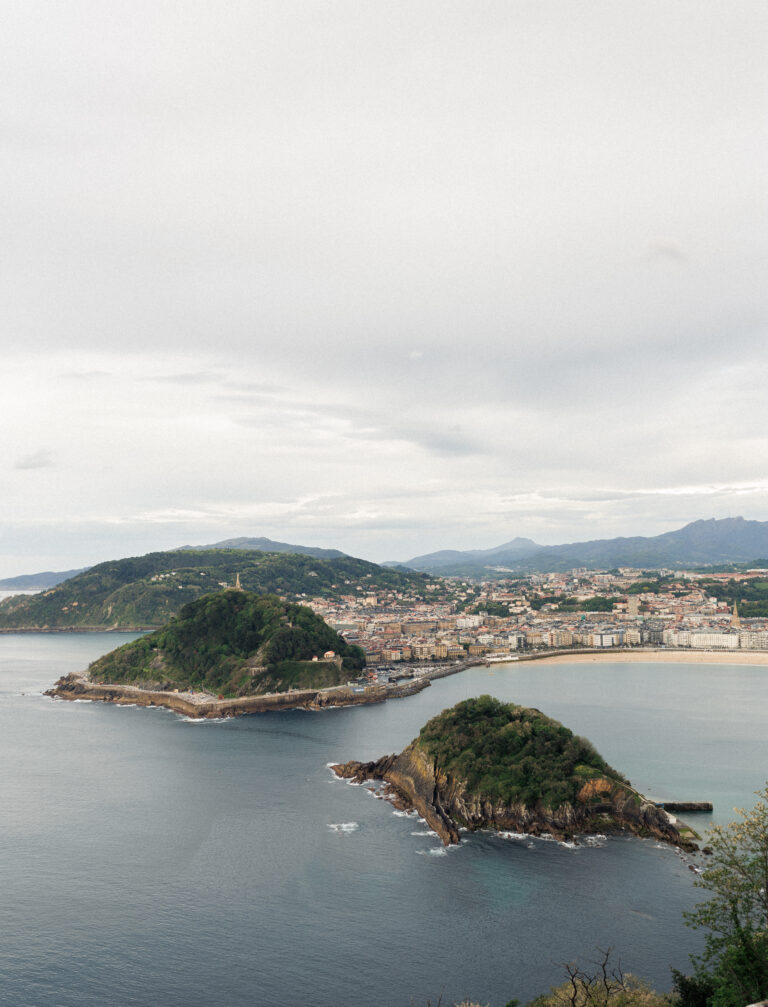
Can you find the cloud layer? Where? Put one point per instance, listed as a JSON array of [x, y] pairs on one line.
[[382, 278]]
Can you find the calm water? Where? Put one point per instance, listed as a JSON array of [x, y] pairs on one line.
[[149, 860]]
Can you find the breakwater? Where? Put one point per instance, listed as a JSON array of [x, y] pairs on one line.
[[202, 705]]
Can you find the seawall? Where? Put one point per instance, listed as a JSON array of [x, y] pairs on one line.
[[198, 705]]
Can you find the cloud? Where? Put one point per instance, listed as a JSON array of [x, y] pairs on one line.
[[666, 250], [188, 378], [41, 459], [514, 287]]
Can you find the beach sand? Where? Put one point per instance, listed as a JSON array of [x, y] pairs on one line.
[[671, 656]]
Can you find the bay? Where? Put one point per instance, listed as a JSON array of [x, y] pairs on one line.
[[148, 859]]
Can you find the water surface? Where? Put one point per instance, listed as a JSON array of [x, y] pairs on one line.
[[148, 859]]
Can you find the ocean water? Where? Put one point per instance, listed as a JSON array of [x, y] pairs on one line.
[[147, 859]]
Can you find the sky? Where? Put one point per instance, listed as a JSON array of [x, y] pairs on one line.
[[383, 277]]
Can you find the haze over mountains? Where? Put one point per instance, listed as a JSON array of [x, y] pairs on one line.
[[269, 545], [49, 578], [701, 543]]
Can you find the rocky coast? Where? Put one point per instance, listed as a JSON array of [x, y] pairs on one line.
[[78, 686], [598, 800]]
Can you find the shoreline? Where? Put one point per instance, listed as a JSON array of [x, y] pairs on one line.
[[650, 656], [200, 705], [78, 686]]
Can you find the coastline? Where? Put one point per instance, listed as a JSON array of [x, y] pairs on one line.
[[201, 705], [650, 656]]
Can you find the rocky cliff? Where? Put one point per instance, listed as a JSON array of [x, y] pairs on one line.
[[448, 801]]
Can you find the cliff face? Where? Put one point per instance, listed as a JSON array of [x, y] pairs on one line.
[[602, 805]]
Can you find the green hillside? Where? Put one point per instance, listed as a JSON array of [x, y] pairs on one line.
[[146, 591], [511, 754], [235, 643]]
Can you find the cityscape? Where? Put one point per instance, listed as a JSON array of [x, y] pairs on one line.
[[503, 620]]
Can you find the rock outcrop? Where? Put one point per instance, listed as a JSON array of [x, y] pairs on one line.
[[447, 802]]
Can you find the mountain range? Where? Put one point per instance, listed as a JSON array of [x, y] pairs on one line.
[[51, 578], [701, 543]]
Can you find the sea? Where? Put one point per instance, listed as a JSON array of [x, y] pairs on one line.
[[148, 859]]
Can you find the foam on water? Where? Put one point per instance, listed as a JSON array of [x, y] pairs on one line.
[[202, 720], [342, 828]]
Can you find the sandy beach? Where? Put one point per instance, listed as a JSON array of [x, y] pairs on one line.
[[661, 657]]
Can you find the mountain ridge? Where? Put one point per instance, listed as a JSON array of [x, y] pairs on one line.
[[705, 542]]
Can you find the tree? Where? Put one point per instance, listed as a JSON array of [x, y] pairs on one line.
[[736, 912], [603, 983]]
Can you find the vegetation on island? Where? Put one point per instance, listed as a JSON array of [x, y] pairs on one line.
[[512, 754], [235, 643], [146, 591]]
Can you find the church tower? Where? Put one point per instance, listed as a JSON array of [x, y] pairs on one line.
[[735, 620]]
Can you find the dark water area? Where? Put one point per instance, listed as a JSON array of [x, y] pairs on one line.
[[147, 859]]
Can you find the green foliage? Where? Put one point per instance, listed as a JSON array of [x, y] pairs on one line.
[[750, 595], [511, 754], [146, 591], [538, 601], [495, 608], [594, 604], [235, 642], [692, 991], [656, 586], [736, 912]]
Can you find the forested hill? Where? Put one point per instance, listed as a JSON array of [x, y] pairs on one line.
[[146, 591], [235, 643], [511, 754], [487, 764]]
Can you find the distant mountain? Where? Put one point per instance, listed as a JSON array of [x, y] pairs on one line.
[[701, 543], [146, 591], [449, 561], [38, 581], [268, 545]]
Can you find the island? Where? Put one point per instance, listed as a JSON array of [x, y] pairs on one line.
[[232, 652], [484, 764]]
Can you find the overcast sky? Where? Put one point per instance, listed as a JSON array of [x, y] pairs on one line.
[[383, 276]]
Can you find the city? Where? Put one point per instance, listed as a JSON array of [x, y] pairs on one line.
[[626, 608]]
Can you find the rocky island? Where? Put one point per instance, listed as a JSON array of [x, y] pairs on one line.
[[227, 653], [484, 764]]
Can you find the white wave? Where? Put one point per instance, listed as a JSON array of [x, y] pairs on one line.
[[406, 814], [203, 720], [569, 845], [513, 835], [343, 827], [427, 832], [440, 852]]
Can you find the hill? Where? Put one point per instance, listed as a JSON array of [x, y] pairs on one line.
[[701, 543], [235, 643], [38, 581], [146, 591], [487, 764], [267, 545]]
